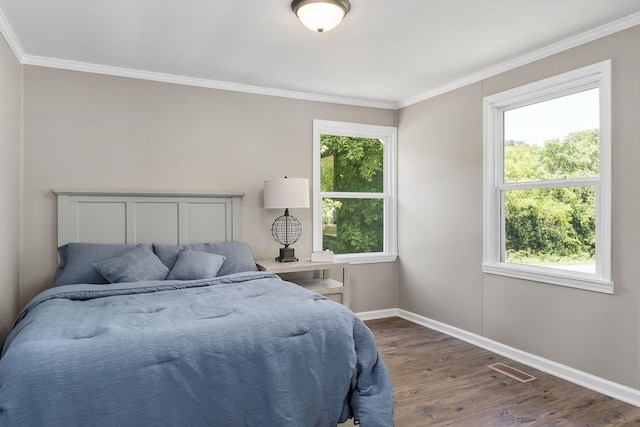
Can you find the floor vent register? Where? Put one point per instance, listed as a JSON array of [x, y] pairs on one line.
[[514, 373]]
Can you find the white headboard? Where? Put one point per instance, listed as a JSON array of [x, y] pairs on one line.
[[147, 217]]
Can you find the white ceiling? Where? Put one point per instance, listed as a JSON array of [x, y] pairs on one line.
[[387, 52]]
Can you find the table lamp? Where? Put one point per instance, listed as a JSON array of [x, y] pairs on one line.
[[286, 193]]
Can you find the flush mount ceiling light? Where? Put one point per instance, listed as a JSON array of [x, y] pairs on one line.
[[320, 15]]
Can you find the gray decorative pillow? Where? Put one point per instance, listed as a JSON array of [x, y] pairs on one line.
[[135, 265], [76, 261], [238, 255], [193, 265]]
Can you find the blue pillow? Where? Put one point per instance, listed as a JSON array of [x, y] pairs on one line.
[[193, 265], [76, 261], [135, 265], [238, 255]]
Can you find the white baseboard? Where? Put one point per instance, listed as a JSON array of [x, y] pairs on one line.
[[601, 385], [378, 314]]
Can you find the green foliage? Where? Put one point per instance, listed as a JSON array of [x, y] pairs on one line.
[[350, 164], [541, 225], [521, 161], [576, 156], [551, 224]]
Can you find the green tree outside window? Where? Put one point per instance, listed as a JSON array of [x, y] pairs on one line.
[[551, 225], [352, 165]]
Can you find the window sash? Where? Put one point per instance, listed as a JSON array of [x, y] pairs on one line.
[[388, 136], [594, 76], [503, 217], [385, 213]]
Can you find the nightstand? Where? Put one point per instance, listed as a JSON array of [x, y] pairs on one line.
[[330, 279]]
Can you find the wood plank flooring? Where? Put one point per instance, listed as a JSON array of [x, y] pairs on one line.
[[442, 381]]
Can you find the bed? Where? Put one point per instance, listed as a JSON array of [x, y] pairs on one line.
[[158, 316]]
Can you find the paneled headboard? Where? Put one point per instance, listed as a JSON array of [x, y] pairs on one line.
[[147, 217]]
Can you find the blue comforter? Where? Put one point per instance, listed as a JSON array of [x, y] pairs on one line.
[[246, 349]]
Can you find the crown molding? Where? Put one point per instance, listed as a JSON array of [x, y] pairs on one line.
[[11, 38], [63, 64], [199, 82], [560, 46], [566, 44]]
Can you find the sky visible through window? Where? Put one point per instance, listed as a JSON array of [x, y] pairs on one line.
[[555, 118]]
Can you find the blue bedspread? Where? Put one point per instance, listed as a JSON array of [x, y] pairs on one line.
[[241, 350]]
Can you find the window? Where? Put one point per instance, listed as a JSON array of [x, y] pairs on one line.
[[547, 184], [354, 190]]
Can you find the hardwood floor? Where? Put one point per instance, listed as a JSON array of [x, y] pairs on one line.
[[442, 381]]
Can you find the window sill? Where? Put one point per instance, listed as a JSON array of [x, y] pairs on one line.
[[550, 275], [367, 258]]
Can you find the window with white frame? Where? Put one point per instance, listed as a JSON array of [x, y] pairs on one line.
[[354, 190], [547, 180]]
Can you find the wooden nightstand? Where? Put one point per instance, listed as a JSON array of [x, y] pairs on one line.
[[330, 279]]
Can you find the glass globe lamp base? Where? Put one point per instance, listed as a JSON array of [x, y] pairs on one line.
[[287, 255]]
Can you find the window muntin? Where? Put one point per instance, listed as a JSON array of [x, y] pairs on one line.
[[354, 190], [547, 180]]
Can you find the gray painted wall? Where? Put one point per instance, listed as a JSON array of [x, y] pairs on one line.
[[440, 219], [93, 131], [10, 164]]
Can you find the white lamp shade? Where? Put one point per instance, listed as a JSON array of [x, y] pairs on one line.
[[320, 16], [286, 193]]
